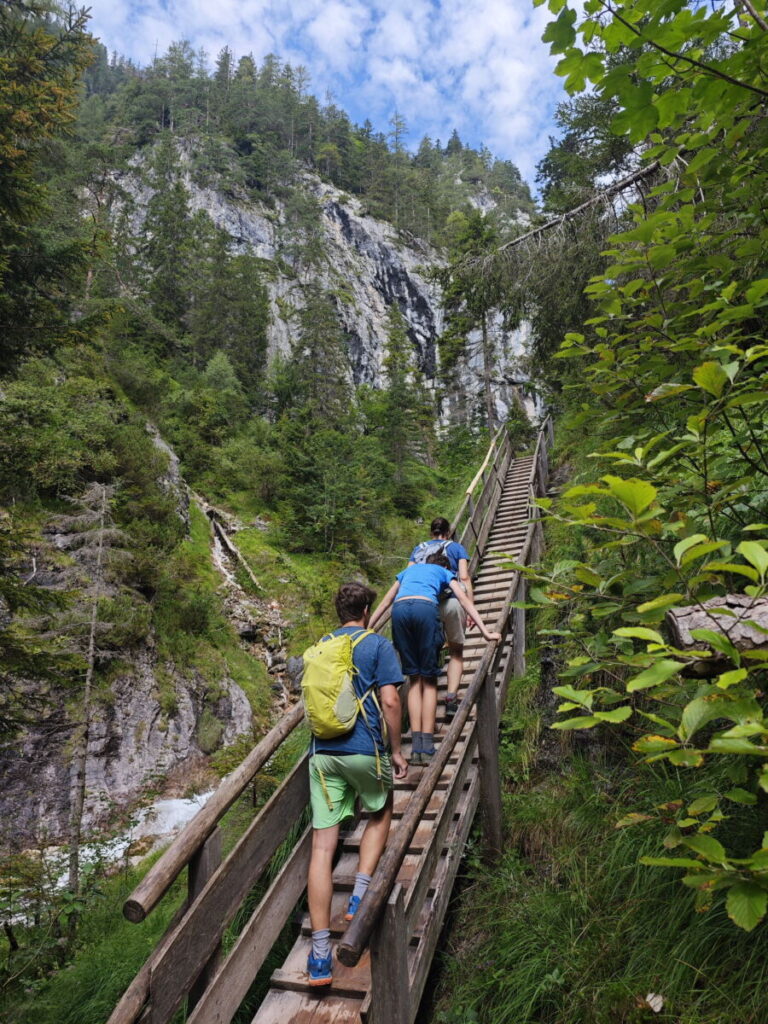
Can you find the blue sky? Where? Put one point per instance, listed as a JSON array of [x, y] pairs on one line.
[[477, 65]]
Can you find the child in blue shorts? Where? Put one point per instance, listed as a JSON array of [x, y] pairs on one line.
[[418, 636]]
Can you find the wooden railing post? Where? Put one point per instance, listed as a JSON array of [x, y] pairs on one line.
[[201, 867], [390, 982], [518, 633], [490, 776]]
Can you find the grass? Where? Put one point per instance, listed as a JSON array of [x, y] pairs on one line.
[[582, 932], [110, 951]]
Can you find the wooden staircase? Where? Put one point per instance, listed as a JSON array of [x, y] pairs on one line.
[[384, 955]]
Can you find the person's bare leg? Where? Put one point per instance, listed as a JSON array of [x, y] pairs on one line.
[[319, 880], [428, 706], [375, 838], [455, 666], [414, 703]]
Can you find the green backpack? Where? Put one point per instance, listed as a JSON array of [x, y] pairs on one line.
[[330, 701]]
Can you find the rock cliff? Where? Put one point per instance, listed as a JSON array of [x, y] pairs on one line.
[[364, 263]]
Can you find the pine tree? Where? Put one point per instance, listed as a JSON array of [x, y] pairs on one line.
[[167, 250], [229, 306], [402, 417], [469, 297], [41, 61], [96, 546]]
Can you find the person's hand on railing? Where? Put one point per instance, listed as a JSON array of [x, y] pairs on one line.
[[492, 637], [399, 766]]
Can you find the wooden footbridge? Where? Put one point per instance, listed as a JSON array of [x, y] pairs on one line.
[[383, 956]]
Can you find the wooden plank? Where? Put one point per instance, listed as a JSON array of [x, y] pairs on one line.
[[423, 878], [426, 950], [348, 982], [202, 927], [230, 986], [490, 775], [281, 1007], [162, 874], [201, 869], [390, 983]]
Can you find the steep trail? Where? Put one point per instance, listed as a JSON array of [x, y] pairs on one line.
[[455, 798], [382, 957]]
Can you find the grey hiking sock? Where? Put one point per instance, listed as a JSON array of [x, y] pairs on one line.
[[428, 743], [417, 742], [321, 943], [362, 881]]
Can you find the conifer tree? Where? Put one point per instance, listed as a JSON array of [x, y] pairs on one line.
[[469, 297], [41, 59], [167, 249], [96, 546]]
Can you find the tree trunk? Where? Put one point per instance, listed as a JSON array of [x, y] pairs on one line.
[[80, 752], [487, 390]]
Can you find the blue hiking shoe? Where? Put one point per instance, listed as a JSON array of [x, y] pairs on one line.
[[319, 970], [354, 903]]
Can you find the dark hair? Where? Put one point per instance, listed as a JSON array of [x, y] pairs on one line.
[[439, 558], [351, 601], [440, 527]]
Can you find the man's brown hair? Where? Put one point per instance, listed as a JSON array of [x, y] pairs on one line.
[[351, 601]]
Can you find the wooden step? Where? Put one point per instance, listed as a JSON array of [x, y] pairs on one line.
[[292, 1007], [348, 982]]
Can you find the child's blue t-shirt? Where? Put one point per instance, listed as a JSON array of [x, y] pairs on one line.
[[377, 665], [424, 580]]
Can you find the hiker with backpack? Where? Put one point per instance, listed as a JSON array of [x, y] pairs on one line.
[[418, 636], [352, 704], [452, 615]]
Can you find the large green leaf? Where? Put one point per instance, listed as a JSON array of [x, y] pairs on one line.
[[711, 377], [699, 712], [660, 603], [746, 904], [636, 495], [755, 554], [583, 722], [639, 633], [659, 672], [707, 846], [617, 715], [687, 542]]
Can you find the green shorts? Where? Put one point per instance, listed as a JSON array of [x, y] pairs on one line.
[[335, 780]]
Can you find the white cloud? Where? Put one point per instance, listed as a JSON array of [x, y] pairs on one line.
[[478, 65]]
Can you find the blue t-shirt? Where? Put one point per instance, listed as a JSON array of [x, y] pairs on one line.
[[424, 580], [453, 551], [377, 665]]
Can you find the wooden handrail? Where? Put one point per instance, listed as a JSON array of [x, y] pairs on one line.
[[480, 471], [162, 875]]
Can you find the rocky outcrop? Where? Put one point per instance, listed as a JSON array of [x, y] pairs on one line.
[[171, 481], [365, 264], [154, 718]]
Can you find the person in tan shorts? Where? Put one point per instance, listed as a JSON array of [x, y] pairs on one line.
[[452, 616]]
